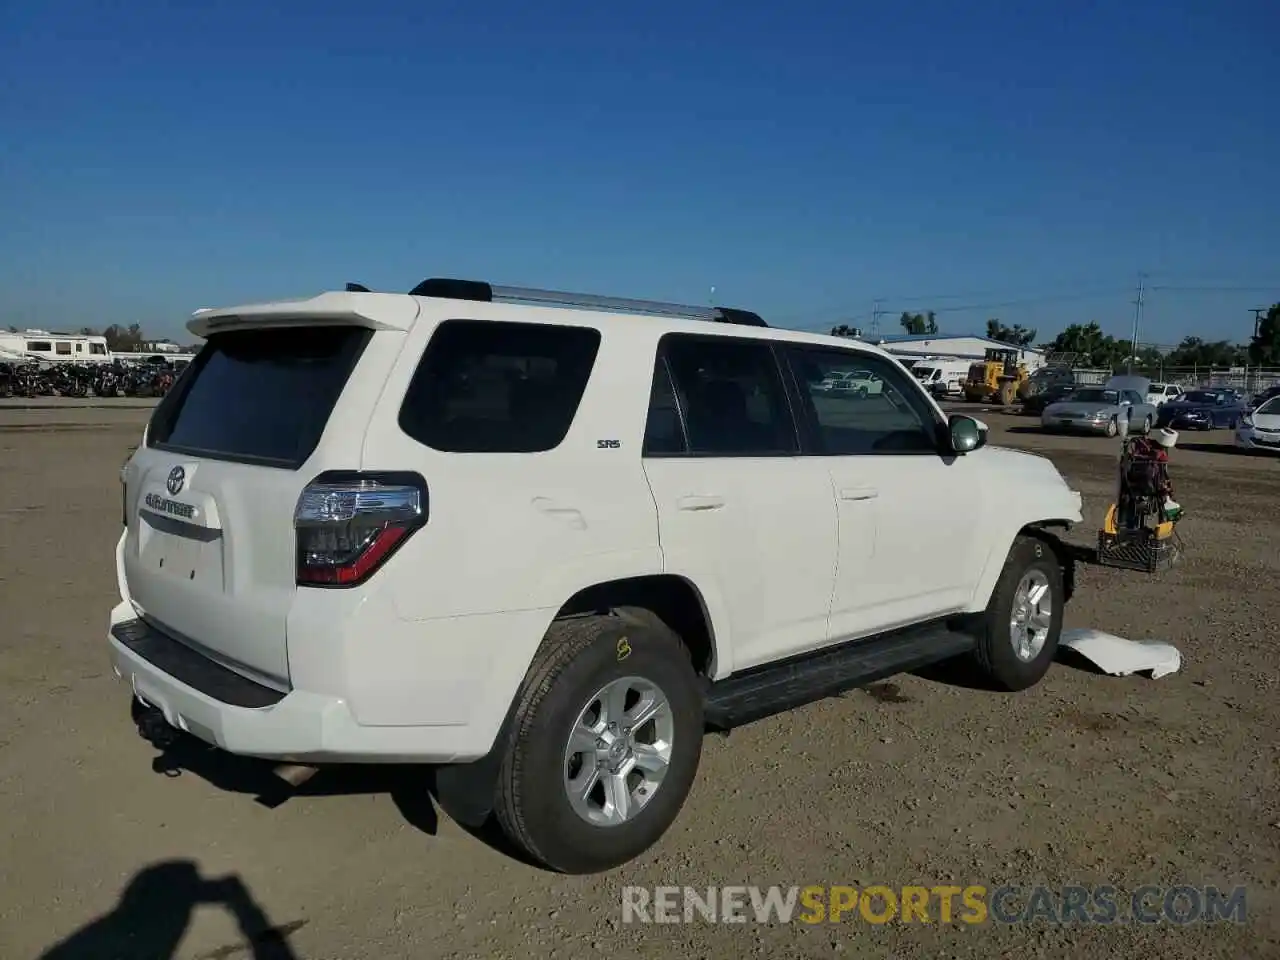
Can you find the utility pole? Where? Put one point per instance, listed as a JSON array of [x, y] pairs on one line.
[[1137, 318], [1257, 320]]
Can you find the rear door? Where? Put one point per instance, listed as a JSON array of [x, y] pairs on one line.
[[210, 497], [739, 511]]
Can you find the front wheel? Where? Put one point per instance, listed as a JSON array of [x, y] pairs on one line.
[[1023, 620], [605, 743], [1112, 427], [1146, 425]]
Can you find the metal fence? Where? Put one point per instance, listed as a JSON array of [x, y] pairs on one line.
[[1247, 379]]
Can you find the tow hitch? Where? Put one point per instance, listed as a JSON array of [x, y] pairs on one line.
[[152, 726]]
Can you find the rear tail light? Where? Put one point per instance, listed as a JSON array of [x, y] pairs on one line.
[[349, 524]]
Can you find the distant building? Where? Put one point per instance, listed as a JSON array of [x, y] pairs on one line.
[[964, 346]]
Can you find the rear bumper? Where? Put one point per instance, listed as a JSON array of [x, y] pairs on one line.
[[242, 717]]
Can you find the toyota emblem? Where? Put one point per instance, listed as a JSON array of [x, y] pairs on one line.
[[177, 477]]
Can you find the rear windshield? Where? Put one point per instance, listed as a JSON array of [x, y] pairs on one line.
[[259, 396], [493, 387], [1096, 396]]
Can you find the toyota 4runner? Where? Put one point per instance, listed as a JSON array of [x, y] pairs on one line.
[[543, 541]]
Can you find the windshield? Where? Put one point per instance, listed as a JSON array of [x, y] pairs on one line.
[[1096, 396], [1156, 388], [1271, 408], [1202, 396], [922, 373]]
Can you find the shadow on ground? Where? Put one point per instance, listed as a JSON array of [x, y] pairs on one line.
[[1229, 449], [155, 909], [414, 789]]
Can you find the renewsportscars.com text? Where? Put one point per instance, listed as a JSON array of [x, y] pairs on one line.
[[974, 904]]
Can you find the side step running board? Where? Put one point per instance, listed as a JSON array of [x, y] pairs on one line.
[[773, 688]]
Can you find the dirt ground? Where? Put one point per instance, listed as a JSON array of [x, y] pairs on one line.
[[1085, 779]]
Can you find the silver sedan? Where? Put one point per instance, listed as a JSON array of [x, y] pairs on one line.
[[1099, 410]]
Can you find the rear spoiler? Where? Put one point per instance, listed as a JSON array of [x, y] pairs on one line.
[[374, 311]]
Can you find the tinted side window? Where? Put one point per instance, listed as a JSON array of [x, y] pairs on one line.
[[732, 396], [664, 429], [874, 410], [492, 387]]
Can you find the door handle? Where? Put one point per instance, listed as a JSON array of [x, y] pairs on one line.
[[858, 493], [700, 503]]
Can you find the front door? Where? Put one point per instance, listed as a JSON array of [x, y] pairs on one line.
[[908, 514], [740, 513]]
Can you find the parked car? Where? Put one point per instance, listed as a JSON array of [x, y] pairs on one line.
[[1159, 393], [1100, 410], [1260, 428], [545, 547], [1035, 404], [942, 378], [1202, 410], [1263, 396]]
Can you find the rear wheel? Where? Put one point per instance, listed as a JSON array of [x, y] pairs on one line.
[[1024, 617], [605, 744]]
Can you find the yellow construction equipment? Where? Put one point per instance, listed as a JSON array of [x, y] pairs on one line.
[[997, 378]]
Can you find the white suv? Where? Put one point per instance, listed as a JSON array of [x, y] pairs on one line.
[[544, 540]]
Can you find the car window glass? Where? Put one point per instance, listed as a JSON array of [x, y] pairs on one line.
[[663, 432], [732, 396], [874, 410], [485, 387]]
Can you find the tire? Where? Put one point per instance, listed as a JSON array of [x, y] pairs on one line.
[[1112, 427], [1146, 425], [1007, 392], [997, 652], [578, 658]]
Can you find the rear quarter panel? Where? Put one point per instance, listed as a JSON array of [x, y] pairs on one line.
[[509, 537]]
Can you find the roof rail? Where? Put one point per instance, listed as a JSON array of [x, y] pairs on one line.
[[478, 290]]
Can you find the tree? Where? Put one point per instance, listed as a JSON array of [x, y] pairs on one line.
[[122, 340], [1099, 349], [919, 324], [1264, 348], [1194, 352], [844, 330], [1017, 335]]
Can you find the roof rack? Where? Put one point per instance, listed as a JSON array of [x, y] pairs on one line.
[[479, 291]]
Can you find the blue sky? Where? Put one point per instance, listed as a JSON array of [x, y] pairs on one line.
[[1025, 160]]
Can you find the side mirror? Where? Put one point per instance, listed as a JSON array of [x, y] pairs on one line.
[[966, 434]]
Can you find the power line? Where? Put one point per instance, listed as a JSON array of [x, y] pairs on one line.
[[883, 306], [1195, 289]]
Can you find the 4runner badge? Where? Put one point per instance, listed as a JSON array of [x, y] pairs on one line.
[[177, 477], [624, 648]]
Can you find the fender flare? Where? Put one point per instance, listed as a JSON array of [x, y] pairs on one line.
[[1047, 530]]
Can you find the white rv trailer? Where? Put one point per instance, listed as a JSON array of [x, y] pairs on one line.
[[55, 347]]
